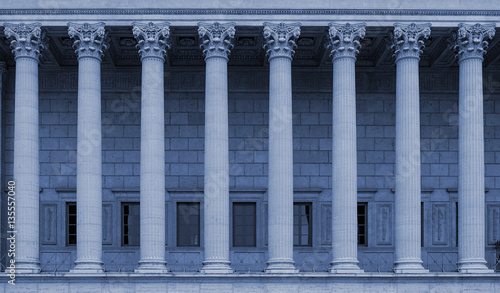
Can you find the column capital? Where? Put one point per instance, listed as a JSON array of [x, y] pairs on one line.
[[152, 39], [26, 39], [344, 39], [90, 39], [471, 41], [280, 39], [408, 40], [216, 39]]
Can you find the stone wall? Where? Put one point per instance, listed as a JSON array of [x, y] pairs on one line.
[[248, 145]]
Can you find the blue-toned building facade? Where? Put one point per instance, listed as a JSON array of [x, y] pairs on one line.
[[263, 90]]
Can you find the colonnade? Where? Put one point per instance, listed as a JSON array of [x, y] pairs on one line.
[[344, 43]]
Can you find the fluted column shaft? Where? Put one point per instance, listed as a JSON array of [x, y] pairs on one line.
[[26, 164], [89, 165], [216, 200], [344, 45], [408, 189], [26, 43], [216, 163], [408, 46], [470, 43], [89, 156], [344, 173], [280, 191], [152, 166], [471, 244], [280, 43], [151, 41]]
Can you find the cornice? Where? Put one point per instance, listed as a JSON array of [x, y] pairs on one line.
[[105, 11]]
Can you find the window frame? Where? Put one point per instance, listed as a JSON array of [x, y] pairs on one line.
[[122, 223], [68, 234], [364, 224], [422, 224], [177, 214], [309, 226], [245, 203]]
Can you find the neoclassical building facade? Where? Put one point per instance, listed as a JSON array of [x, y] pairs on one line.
[[250, 147]]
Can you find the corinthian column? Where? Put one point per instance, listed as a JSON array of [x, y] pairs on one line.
[[216, 48], [471, 42], [344, 45], [26, 44], [280, 45], [89, 45], [152, 44], [407, 45]]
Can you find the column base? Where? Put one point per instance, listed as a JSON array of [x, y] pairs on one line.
[[345, 267], [474, 267], [26, 268], [83, 267], [216, 267], [146, 267], [281, 267], [84, 271], [409, 267]]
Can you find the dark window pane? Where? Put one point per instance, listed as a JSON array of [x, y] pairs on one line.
[[422, 224], [131, 223], [456, 224], [362, 223], [70, 223], [244, 224], [188, 224], [302, 226]]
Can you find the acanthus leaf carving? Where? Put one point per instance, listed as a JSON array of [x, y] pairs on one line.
[[408, 40], [281, 39], [90, 39], [216, 39], [471, 41], [152, 39], [26, 39], [345, 39]]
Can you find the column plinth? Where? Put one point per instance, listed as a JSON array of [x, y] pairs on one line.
[[216, 48], [280, 45], [89, 45], [471, 42], [26, 42], [344, 45], [407, 45], [152, 44]]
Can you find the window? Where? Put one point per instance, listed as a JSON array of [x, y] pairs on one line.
[[70, 223], [188, 224], [131, 227], [422, 230], [362, 223], [244, 224], [302, 224], [456, 224]]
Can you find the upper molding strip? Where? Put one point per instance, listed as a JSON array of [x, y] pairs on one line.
[[413, 12]]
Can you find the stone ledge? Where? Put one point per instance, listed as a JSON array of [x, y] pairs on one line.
[[324, 275], [325, 282]]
